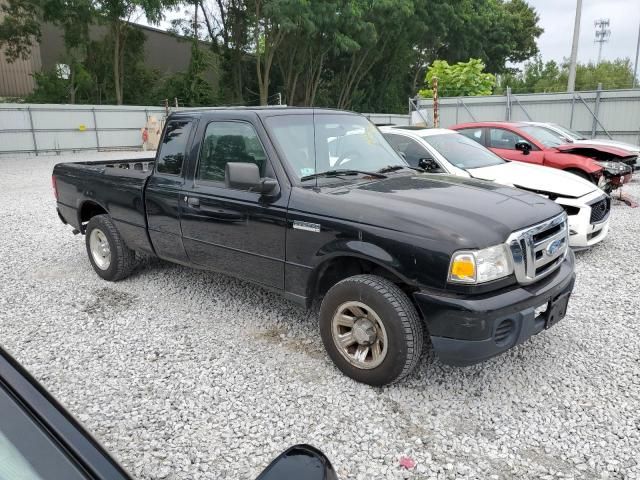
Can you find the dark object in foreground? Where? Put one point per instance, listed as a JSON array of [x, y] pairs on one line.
[[316, 205], [40, 439]]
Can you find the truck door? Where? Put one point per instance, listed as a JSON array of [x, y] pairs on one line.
[[163, 191], [238, 232]]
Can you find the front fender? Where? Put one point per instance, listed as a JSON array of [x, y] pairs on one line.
[[566, 161], [355, 249]]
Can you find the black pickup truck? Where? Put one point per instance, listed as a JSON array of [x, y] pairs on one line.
[[315, 204]]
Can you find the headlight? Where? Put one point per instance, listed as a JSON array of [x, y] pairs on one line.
[[479, 266], [615, 168]]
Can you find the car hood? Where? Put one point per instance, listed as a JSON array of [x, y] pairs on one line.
[[535, 177], [584, 147], [633, 149], [466, 213]]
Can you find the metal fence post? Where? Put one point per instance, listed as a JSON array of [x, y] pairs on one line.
[[594, 125], [508, 104], [95, 127], [33, 132]]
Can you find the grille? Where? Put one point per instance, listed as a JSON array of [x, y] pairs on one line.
[[503, 331], [537, 251], [600, 210]]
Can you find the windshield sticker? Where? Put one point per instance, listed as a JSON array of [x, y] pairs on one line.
[[304, 171]]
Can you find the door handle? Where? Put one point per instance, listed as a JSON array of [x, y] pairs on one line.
[[193, 201]]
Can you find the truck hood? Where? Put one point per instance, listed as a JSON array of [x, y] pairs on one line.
[[535, 177], [465, 213]]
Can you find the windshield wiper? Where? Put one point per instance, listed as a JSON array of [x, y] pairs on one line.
[[339, 173], [392, 168]]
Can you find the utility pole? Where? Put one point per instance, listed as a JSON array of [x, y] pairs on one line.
[[603, 32], [436, 113], [635, 69], [571, 84]]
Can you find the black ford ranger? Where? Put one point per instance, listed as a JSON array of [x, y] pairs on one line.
[[315, 204]]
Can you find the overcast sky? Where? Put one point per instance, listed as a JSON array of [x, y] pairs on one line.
[[557, 17]]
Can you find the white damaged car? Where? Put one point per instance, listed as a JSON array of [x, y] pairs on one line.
[[439, 150]]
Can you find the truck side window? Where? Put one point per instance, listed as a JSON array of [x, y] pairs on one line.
[[173, 147], [230, 142]]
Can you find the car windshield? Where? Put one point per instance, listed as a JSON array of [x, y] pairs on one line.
[[569, 133], [314, 144], [543, 135], [461, 151]]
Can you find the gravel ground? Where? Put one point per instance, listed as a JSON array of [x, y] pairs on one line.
[[183, 374]]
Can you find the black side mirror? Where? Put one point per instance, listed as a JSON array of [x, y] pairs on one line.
[[246, 176], [429, 165], [524, 147], [300, 462]]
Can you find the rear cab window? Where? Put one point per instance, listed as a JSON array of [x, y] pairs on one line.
[[172, 150]]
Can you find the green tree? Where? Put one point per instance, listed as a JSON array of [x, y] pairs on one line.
[[538, 76], [460, 79]]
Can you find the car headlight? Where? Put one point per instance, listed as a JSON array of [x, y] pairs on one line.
[[615, 168], [480, 266]]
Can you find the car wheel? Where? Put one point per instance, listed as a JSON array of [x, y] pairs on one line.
[[371, 330], [109, 255]]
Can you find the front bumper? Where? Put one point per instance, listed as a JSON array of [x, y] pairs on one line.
[[583, 231], [469, 329]]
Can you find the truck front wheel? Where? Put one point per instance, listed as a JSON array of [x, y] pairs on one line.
[[108, 254], [371, 330]]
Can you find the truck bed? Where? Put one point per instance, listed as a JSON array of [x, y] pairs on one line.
[[115, 186]]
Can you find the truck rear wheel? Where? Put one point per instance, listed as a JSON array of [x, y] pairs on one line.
[[371, 330], [108, 254]]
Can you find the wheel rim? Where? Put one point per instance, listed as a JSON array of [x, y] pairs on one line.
[[100, 250], [359, 335]]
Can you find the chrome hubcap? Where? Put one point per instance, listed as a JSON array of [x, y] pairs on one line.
[[359, 335], [100, 250]]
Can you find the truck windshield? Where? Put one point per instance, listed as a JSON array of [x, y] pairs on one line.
[[314, 144], [461, 151]]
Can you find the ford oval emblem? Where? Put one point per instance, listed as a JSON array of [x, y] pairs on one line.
[[553, 247]]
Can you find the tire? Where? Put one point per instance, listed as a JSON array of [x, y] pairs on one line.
[[389, 319], [101, 236], [581, 174]]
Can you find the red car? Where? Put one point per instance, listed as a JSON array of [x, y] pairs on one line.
[[522, 142]]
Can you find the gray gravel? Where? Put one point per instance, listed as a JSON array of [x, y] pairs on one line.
[[183, 374]]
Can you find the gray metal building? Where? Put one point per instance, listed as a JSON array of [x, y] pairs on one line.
[[164, 52]]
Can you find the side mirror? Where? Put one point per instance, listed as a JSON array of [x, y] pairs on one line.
[[524, 147], [429, 165], [246, 176], [300, 462]]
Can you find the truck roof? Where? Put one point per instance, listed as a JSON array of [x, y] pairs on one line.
[[261, 111]]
